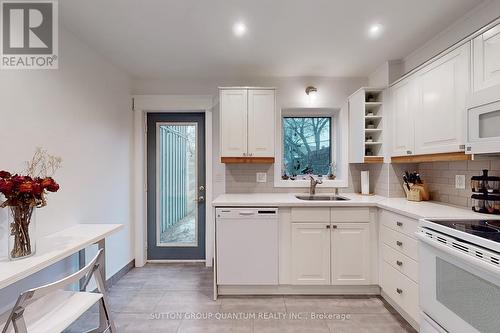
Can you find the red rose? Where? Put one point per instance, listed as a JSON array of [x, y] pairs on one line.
[[37, 189], [54, 187], [6, 186], [4, 174], [26, 187], [46, 182], [17, 179]]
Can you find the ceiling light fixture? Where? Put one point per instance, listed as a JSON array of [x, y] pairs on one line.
[[239, 29], [311, 91], [375, 30]]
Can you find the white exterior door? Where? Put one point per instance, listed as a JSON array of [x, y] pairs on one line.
[[403, 97], [261, 126], [486, 64], [440, 112], [350, 253], [233, 131], [311, 253]]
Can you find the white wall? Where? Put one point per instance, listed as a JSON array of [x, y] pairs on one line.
[[473, 21], [82, 113]]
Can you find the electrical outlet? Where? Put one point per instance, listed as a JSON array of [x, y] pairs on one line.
[[261, 177], [460, 182]]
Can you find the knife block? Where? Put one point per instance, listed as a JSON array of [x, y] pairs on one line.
[[417, 192]]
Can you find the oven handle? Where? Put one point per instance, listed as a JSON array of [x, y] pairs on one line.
[[469, 259]]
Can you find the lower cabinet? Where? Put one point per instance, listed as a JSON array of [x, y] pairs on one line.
[[330, 253], [350, 253], [311, 253]]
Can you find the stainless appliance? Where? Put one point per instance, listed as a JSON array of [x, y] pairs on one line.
[[247, 246], [483, 129], [459, 275]]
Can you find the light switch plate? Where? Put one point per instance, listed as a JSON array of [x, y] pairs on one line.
[[261, 177], [460, 182]]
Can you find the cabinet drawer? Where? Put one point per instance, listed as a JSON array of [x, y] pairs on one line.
[[400, 242], [401, 290], [314, 214], [399, 223], [400, 262], [350, 214]]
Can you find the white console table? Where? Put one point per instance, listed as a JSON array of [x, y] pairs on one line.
[[55, 247]]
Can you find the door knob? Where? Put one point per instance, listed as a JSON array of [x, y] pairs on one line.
[[202, 188], [201, 198]]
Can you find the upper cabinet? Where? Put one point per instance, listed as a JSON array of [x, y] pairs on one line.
[[403, 100], [428, 107], [247, 125], [486, 67], [440, 108]]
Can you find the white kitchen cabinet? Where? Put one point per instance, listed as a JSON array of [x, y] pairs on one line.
[[261, 124], [350, 254], [311, 253], [442, 87], [403, 98], [233, 122], [247, 125], [486, 61]]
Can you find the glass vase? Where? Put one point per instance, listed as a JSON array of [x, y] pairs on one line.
[[22, 226]]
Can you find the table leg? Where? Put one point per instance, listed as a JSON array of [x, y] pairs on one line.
[[81, 264], [103, 323]]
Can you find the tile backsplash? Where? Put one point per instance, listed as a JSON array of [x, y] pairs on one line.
[[440, 177]]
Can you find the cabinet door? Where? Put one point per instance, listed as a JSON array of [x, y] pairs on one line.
[[486, 63], [440, 115], [261, 123], [311, 253], [233, 122], [350, 253], [403, 97]]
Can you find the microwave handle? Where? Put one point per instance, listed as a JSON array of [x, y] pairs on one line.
[[457, 253]]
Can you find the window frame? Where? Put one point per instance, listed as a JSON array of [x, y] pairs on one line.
[[339, 148]]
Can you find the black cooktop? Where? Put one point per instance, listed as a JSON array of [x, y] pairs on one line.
[[488, 229]]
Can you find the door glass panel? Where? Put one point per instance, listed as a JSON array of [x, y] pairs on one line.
[[470, 297], [177, 193], [489, 124]]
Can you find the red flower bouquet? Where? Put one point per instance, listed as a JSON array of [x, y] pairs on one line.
[[23, 194]]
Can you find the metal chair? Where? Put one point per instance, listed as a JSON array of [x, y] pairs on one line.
[[49, 308]]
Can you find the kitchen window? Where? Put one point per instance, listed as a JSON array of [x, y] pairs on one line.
[[307, 146], [313, 142]]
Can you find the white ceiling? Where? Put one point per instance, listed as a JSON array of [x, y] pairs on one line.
[[193, 38]]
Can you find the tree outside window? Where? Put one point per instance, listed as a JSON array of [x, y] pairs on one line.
[[307, 145]]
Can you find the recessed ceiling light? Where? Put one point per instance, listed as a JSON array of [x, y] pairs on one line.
[[375, 30], [239, 29]]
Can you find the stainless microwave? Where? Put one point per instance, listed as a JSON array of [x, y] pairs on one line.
[[483, 129]]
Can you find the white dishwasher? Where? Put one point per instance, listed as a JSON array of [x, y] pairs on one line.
[[247, 246]]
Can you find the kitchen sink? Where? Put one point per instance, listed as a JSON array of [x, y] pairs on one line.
[[321, 197]]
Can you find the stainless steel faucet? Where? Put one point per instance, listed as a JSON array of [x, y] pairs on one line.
[[312, 186]]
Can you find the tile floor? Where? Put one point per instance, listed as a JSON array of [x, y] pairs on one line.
[[178, 298]]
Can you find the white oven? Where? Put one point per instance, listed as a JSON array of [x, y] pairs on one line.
[[459, 285], [483, 129]]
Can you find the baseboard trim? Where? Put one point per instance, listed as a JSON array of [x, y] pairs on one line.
[[154, 261], [298, 290], [121, 273]]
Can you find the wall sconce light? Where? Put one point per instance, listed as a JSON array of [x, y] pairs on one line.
[[311, 91]]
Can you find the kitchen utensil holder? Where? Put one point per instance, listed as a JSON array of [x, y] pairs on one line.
[[417, 192]]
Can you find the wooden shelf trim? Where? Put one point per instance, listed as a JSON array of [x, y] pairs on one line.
[[247, 160], [442, 157], [374, 159]]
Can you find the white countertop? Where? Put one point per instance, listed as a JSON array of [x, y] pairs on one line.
[[417, 210], [52, 248]]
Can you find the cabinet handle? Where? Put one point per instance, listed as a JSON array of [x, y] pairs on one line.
[[328, 226], [244, 154], [399, 263], [399, 224], [408, 152], [399, 243], [334, 226], [399, 291]]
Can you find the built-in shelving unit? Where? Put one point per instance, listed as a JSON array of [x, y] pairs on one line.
[[366, 126]]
